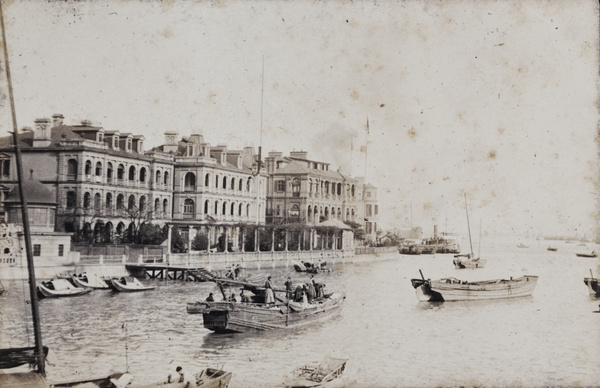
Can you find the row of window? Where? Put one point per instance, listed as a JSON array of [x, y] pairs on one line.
[[189, 182], [37, 250], [189, 208], [318, 186], [72, 167], [132, 204]]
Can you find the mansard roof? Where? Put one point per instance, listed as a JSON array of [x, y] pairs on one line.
[[36, 193]]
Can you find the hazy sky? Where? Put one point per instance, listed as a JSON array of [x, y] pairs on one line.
[[496, 99]]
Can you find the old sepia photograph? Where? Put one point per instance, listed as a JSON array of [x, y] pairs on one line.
[[269, 193]]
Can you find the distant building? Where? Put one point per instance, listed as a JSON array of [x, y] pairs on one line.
[[306, 191]]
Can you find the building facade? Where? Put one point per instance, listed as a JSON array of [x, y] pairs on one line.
[[106, 184]]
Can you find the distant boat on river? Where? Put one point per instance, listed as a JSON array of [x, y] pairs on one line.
[[593, 254], [317, 375], [452, 289], [521, 245], [552, 249], [469, 260], [592, 284]]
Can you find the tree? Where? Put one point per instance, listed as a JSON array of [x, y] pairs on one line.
[[357, 229], [151, 234], [178, 243], [200, 242], [136, 217]]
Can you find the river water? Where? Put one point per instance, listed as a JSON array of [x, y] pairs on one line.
[[389, 337]]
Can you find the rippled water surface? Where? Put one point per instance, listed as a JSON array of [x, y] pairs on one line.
[[390, 338]]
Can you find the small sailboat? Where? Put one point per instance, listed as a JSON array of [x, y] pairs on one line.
[[469, 260], [552, 249]]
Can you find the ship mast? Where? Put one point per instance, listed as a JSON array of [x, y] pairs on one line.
[[468, 225], [39, 349]]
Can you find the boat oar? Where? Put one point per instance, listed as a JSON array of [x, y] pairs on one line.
[[591, 273], [422, 277]]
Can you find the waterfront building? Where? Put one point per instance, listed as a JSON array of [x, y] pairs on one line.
[[306, 191], [105, 185]]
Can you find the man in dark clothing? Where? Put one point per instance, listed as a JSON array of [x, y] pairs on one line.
[[210, 298], [288, 288]]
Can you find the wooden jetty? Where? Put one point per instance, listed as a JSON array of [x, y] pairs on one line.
[[170, 272]]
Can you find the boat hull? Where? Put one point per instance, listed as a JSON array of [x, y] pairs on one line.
[[460, 263], [455, 290], [208, 378], [586, 255], [230, 317], [61, 287], [593, 286], [89, 283], [117, 285]]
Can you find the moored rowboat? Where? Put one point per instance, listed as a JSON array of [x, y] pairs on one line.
[[452, 289], [317, 375], [89, 281], [208, 378], [60, 287], [128, 284]]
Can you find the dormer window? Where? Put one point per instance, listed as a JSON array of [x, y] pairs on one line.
[[116, 142], [189, 151], [128, 145], [140, 146], [100, 137]]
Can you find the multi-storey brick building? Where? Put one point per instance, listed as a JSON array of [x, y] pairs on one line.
[[106, 182]]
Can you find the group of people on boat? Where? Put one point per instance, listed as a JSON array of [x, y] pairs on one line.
[[308, 292]]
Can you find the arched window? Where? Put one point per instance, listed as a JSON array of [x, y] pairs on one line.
[[142, 174], [240, 208], [309, 214], [87, 197], [108, 201], [109, 172], [217, 181], [120, 200], [224, 182], [165, 211], [190, 181], [232, 210], [188, 208], [166, 177], [207, 180], [296, 187], [71, 200], [97, 201], [216, 208], [248, 210], [206, 207], [248, 184], [142, 203], [157, 208], [98, 169], [131, 202], [240, 185], [88, 168], [232, 186], [295, 210], [158, 176], [132, 173], [121, 172], [72, 169], [224, 208], [339, 189]]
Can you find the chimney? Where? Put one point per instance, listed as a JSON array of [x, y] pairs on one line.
[[41, 135], [299, 154], [435, 231], [57, 119], [170, 145], [86, 123]]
